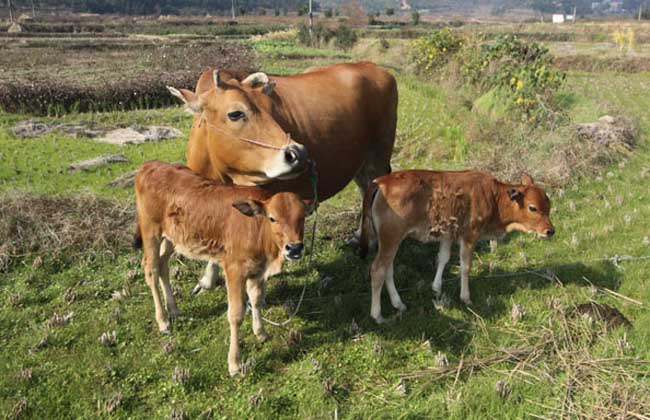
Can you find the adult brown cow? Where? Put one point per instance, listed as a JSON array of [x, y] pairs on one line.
[[256, 129]]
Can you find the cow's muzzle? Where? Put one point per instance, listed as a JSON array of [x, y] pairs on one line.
[[293, 251]]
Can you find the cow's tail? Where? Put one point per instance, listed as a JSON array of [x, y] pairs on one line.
[[367, 225], [137, 236]]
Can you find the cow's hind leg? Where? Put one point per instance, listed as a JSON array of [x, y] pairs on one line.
[[210, 279], [466, 250], [376, 164], [255, 290], [151, 264], [166, 251], [382, 271]]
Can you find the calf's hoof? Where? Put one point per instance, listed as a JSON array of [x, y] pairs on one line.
[[263, 337], [401, 307], [379, 319], [466, 300], [234, 372], [164, 330]]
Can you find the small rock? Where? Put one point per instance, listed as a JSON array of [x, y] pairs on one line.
[[86, 165], [138, 135]]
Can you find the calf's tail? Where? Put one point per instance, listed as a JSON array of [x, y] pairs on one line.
[[366, 219], [137, 236]]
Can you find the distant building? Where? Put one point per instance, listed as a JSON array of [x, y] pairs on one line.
[[558, 18]]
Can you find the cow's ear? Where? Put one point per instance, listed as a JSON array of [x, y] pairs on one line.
[[218, 81], [527, 179], [515, 194], [250, 208], [310, 206], [258, 79], [189, 98]]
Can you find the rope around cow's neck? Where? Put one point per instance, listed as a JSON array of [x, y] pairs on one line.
[[244, 139], [313, 178]]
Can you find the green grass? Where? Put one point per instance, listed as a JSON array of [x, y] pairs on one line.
[[330, 368]]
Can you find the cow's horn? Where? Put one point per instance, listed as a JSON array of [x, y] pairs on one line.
[[256, 79]]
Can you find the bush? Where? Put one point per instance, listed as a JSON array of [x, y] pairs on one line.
[[276, 12], [521, 71], [433, 51], [390, 11], [345, 37], [329, 13], [415, 18]]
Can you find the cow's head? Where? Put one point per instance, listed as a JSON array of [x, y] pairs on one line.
[[285, 215], [531, 208], [236, 124]]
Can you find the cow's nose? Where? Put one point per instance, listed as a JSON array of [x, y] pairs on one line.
[[295, 248], [550, 232], [295, 155]]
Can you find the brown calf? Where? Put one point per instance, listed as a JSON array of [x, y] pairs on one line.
[[203, 219], [462, 206]]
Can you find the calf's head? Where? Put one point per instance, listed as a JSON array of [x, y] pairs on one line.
[[530, 209], [285, 215], [232, 112]]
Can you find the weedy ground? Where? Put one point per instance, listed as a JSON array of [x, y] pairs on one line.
[[77, 331]]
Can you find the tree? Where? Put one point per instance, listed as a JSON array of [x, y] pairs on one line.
[[390, 11], [415, 18]]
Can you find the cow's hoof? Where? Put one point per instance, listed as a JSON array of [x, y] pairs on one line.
[[401, 307], [263, 337], [174, 315], [234, 372], [164, 331], [379, 320], [198, 289], [467, 301], [352, 241]]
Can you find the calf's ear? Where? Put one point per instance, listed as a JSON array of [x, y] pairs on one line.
[[189, 98], [515, 194], [250, 208], [527, 179]]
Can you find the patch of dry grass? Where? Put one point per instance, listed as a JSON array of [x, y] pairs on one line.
[[58, 227]]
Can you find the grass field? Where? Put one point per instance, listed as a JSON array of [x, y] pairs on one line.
[[440, 360]]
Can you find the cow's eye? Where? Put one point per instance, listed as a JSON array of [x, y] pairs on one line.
[[236, 115], [532, 208], [271, 219]]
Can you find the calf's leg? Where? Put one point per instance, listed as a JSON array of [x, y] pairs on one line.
[[235, 283], [151, 265], [210, 279], [382, 271], [466, 250], [255, 289], [443, 258], [166, 250]]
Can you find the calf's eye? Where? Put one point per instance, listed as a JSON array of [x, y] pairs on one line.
[[532, 208], [236, 115]]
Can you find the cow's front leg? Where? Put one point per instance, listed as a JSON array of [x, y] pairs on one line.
[[255, 289], [466, 250], [210, 279], [443, 258], [235, 284]]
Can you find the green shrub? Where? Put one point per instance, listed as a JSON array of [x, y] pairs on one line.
[[390, 11], [415, 18], [431, 52], [329, 13], [345, 37], [522, 71]]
